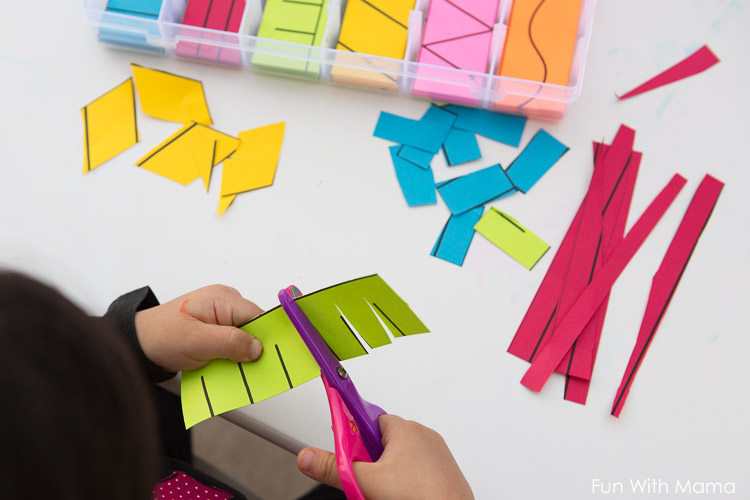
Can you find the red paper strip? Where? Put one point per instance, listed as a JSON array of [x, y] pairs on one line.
[[588, 255], [588, 302], [667, 278], [613, 228], [540, 317], [699, 61]]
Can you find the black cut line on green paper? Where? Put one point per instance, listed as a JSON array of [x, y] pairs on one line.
[[244, 380], [205, 393], [283, 365], [389, 319], [353, 335]]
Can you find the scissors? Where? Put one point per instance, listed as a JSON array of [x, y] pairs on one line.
[[355, 426]]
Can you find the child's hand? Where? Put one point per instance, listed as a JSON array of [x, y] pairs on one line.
[[191, 330], [416, 463]]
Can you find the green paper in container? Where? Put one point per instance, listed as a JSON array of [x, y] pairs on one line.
[[363, 303]]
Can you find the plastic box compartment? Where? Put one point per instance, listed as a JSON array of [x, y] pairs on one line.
[[164, 34]]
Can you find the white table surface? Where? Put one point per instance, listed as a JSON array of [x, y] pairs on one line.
[[335, 212]]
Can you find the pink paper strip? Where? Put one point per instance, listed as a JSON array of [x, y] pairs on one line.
[[697, 62], [588, 302], [667, 278]]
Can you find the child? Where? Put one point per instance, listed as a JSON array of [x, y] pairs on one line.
[[79, 419]]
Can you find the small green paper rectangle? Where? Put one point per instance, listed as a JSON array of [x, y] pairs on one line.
[[511, 237]]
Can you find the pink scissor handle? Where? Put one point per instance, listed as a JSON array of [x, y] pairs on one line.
[[348, 442]]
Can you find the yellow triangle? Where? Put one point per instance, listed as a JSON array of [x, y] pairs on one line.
[[186, 154], [224, 202]]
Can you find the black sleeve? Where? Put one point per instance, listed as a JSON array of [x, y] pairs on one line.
[[121, 317]]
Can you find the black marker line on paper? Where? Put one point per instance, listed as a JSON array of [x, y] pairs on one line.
[[281, 359]]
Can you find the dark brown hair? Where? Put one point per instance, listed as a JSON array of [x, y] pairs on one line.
[[76, 418]]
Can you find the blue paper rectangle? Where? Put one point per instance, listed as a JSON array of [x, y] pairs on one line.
[[472, 190], [427, 134], [417, 183], [496, 126], [141, 8], [416, 156], [456, 236], [537, 157], [460, 147]]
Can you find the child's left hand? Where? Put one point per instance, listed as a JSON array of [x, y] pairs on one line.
[[189, 331]]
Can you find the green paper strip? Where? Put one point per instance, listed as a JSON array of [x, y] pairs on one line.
[[303, 24], [224, 385], [511, 237]]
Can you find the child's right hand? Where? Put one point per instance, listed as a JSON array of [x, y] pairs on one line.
[[416, 463]]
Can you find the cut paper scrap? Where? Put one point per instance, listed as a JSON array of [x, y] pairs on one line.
[[224, 202], [362, 305], [427, 134], [541, 40], [175, 158], [496, 126], [417, 156], [535, 160], [461, 194], [461, 147], [109, 125], [300, 22], [578, 364], [456, 236], [667, 278], [579, 249], [695, 63], [417, 183], [376, 27], [588, 302], [171, 97], [254, 163], [511, 237], [457, 35]]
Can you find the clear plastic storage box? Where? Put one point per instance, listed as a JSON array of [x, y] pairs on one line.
[[163, 33]]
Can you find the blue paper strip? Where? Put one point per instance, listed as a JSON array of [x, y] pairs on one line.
[[472, 190], [427, 134], [416, 156], [141, 8], [417, 183], [454, 240], [460, 147], [496, 126], [538, 156]]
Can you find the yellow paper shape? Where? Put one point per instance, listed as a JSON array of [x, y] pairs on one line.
[[224, 202], [253, 166], [510, 236], [171, 97], [377, 27], [177, 158], [109, 125]]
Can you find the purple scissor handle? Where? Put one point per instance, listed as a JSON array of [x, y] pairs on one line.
[[355, 421]]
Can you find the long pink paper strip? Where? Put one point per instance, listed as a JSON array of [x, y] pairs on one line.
[[587, 345], [588, 302], [698, 61], [667, 278], [540, 318], [590, 244]]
